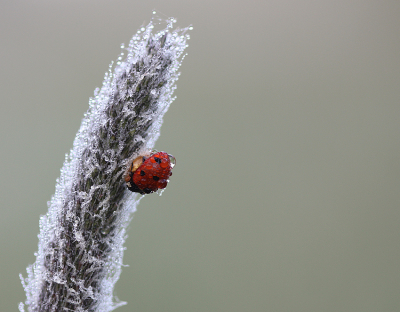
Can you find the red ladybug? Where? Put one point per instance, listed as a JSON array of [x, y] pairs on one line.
[[149, 173]]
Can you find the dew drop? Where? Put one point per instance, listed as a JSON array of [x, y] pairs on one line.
[[172, 160]]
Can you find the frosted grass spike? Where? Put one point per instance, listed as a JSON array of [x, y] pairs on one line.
[[81, 237]]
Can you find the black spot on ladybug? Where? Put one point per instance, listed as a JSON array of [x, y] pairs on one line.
[[155, 178], [158, 160], [142, 173]]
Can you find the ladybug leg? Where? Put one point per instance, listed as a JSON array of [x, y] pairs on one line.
[[147, 191], [133, 188], [128, 177]]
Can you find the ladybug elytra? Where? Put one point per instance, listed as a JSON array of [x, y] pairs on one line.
[[150, 172]]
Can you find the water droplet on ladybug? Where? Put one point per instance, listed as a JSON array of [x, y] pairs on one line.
[[172, 160]]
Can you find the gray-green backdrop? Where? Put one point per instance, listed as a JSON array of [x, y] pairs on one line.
[[286, 131]]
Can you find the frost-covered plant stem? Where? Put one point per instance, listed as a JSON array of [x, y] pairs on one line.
[[81, 237]]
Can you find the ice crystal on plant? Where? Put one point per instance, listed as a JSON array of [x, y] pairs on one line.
[[81, 237]]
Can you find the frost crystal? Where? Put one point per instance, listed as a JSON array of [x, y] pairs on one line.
[[81, 237]]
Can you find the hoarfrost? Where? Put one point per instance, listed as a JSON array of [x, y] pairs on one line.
[[81, 237]]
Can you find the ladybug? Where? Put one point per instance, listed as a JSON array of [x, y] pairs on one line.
[[150, 172]]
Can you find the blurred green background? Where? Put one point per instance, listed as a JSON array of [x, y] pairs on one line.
[[286, 128]]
